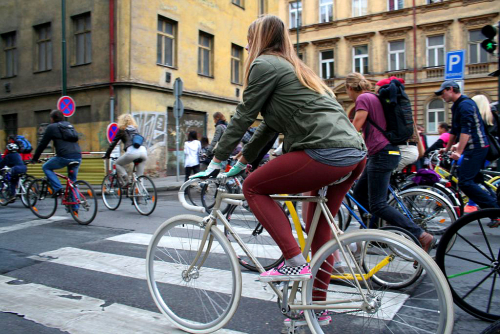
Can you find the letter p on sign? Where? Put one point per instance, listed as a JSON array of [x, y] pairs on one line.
[[455, 65]]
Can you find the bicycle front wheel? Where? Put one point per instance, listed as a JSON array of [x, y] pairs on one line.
[[4, 193], [469, 256], [23, 191], [40, 199], [194, 300], [85, 210], [111, 190], [144, 195], [426, 307]]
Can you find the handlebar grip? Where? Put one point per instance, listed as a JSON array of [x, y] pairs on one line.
[[184, 203]]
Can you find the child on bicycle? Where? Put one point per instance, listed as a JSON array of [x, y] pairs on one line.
[[13, 160], [320, 143]]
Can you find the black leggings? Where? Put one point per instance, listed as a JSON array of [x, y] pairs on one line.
[[188, 170]]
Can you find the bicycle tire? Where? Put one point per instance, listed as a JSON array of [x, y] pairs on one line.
[[493, 328], [24, 195], [4, 193], [193, 191], [442, 190], [111, 191], [144, 195], [209, 193], [40, 199], [87, 207], [403, 273], [384, 312], [170, 253], [431, 211], [256, 238], [468, 255]]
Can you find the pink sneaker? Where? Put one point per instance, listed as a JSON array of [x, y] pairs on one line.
[[323, 319], [470, 208], [286, 273]]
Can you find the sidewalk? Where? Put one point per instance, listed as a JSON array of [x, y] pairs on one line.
[[168, 183]]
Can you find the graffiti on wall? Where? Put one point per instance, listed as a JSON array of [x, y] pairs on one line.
[[153, 127]]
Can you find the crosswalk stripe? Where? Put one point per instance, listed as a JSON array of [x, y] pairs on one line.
[[31, 223], [80, 314], [261, 251]]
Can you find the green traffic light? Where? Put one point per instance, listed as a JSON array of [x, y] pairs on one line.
[[489, 45]]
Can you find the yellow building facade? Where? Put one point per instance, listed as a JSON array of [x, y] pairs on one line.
[[403, 38], [124, 57]]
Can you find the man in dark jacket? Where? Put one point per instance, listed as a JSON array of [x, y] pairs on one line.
[[66, 152], [468, 132]]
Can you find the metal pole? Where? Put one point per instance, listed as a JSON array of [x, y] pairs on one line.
[[498, 56], [63, 46], [298, 27], [177, 145]]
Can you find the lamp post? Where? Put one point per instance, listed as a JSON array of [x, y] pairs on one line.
[[63, 46]]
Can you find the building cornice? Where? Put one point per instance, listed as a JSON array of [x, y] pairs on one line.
[[360, 38], [395, 32], [478, 21], [435, 26], [326, 42]]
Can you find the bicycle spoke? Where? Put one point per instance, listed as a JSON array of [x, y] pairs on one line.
[[486, 239], [491, 293], [477, 285], [474, 246]]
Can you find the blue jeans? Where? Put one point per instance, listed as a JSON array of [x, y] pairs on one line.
[[14, 178], [371, 189], [57, 163], [472, 162]]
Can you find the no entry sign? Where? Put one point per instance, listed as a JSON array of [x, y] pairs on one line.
[[112, 131], [67, 105]]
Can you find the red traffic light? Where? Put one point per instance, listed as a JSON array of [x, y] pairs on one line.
[[489, 31]]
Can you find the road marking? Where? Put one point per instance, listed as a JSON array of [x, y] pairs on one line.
[[80, 314], [261, 251], [31, 223]]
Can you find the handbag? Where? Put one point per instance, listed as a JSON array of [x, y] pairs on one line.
[[494, 149]]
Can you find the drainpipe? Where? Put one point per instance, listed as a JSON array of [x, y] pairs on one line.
[[415, 93], [111, 60]]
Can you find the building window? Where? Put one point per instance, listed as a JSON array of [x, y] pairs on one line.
[[325, 11], [395, 4], [10, 124], [83, 39], [360, 55], [295, 14], [433, 1], [435, 115], [205, 54], [262, 7], [43, 48], [10, 54], [236, 63], [397, 55], [240, 3], [326, 64], [435, 51], [166, 48], [359, 7], [476, 53]]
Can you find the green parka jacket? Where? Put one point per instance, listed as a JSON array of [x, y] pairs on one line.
[[306, 118]]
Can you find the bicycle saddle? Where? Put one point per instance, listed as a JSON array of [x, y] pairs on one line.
[[137, 161], [74, 163]]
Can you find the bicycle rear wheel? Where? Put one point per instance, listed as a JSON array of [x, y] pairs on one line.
[[144, 195], [23, 192], [469, 256], [426, 307], [4, 193], [40, 199], [204, 299], [111, 190], [85, 211], [209, 193], [193, 191]]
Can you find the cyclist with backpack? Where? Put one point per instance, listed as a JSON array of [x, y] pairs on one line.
[[65, 139], [24, 146], [13, 160], [383, 158], [132, 145]]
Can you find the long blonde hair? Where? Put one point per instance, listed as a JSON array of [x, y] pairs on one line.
[[126, 120], [268, 35], [484, 109], [357, 82]]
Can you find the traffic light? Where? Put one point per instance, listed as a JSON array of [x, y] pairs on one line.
[[489, 43]]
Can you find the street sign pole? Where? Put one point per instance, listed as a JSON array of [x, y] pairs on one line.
[[178, 111]]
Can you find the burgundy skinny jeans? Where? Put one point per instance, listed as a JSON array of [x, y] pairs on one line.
[[294, 173]]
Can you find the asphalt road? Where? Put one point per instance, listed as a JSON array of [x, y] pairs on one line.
[[57, 276]]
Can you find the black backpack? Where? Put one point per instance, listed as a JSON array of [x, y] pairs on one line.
[[397, 111], [68, 132]]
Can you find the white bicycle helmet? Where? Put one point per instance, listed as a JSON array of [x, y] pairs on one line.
[[12, 147]]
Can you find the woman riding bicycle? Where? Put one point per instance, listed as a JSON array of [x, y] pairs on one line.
[[127, 128], [320, 143]]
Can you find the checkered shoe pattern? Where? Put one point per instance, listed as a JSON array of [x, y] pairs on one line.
[[323, 319], [287, 273]]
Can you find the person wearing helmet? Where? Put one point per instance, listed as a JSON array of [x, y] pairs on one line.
[[13, 160]]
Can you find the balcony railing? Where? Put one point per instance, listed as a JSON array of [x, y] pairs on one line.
[[329, 82], [434, 72], [478, 68]]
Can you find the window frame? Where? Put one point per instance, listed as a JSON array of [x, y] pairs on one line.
[[47, 41], [436, 112], [87, 33], [328, 61], [435, 48], [329, 4], [358, 12], [396, 5], [361, 57], [240, 64], [164, 35], [478, 47], [10, 49], [397, 52], [297, 11], [210, 49], [239, 3]]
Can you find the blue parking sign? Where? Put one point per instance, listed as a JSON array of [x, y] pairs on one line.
[[455, 65]]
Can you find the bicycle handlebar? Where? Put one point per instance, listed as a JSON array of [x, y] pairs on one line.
[[183, 201]]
